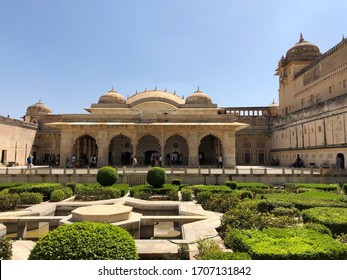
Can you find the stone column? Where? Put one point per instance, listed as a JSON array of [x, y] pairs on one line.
[[102, 141], [229, 149], [66, 144], [193, 142]]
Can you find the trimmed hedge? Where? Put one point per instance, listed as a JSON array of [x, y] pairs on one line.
[[210, 250], [286, 244], [9, 185], [220, 202], [87, 193], [30, 198], [107, 176], [246, 216], [321, 187], [44, 188], [231, 184], [176, 182], [85, 241], [163, 190], [253, 186], [304, 200], [333, 218], [210, 188], [187, 194], [156, 177], [8, 201]]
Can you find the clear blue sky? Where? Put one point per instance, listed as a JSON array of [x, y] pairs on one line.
[[69, 52]]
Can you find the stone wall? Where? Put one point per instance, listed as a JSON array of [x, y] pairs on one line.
[[16, 141]]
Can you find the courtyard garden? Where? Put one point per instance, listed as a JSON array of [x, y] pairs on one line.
[[258, 221]]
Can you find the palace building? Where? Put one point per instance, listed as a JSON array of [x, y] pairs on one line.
[[309, 120]]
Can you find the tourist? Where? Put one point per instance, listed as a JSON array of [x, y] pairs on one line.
[[135, 161], [30, 161], [220, 162]]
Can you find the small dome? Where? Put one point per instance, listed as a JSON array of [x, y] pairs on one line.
[[199, 97], [155, 95], [303, 51], [111, 97], [38, 109]]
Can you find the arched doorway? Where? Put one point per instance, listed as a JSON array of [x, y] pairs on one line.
[[176, 150], [147, 147], [120, 151], [340, 161], [209, 150], [84, 148]]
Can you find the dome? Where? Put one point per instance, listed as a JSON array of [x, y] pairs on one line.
[[156, 96], [303, 51], [199, 97], [111, 97], [38, 109]]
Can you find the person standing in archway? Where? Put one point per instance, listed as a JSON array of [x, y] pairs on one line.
[[220, 162]]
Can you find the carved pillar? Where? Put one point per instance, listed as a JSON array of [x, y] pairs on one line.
[[66, 145], [103, 142], [229, 148], [193, 142]]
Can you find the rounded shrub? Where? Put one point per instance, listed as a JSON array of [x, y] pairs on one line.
[[85, 241], [231, 184], [176, 182], [156, 177], [107, 176], [187, 194], [57, 195]]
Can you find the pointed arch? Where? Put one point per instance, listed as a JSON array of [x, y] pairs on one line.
[[176, 150], [210, 149], [148, 146], [84, 147], [120, 150]]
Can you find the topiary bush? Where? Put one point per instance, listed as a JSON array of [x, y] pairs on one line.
[[176, 182], [85, 241], [107, 176], [231, 184], [5, 249], [156, 177]]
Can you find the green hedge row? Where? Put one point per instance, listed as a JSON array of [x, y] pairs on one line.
[[10, 201], [93, 192], [44, 188], [9, 185], [303, 200], [322, 187], [211, 188], [333, 218], [253, 186], [166, 188], [124, 188], [286, 244]]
